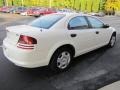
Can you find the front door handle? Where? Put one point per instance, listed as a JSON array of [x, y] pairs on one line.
[[97, 32], [73, 35]]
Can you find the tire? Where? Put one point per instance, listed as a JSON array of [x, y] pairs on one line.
[[112, 41], [61, 60]]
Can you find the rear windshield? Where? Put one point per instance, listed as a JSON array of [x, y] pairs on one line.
[[46, 21]]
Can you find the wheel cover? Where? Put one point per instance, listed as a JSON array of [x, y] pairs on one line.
[[63, 60], [112, 42]]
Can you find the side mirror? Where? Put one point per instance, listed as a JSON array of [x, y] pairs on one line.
[[106, 26]]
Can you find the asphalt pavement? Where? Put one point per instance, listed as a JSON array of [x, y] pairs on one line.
[[88, 72]]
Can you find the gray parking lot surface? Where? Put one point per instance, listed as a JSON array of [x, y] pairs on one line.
[[88, 72]]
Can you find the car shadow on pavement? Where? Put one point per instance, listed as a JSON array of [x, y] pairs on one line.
[[90, 57]]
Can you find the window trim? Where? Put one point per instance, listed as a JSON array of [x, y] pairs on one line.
[[79, 28]]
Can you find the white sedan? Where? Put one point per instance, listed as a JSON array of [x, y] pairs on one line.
[[55, 39]]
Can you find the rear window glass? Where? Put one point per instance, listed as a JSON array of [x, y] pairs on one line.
[[46, 21]]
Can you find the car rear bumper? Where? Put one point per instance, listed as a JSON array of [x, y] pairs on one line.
[[24, 58]]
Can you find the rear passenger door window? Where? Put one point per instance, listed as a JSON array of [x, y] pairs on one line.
[[95, 23]]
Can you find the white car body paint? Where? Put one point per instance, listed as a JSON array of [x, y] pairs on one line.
[[48, 41]]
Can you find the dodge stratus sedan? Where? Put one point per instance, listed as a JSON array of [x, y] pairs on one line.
[[54, 40]]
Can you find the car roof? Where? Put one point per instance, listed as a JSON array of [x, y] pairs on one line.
[[72, 14]]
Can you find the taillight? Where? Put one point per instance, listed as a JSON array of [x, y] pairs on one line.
[[26, 42]]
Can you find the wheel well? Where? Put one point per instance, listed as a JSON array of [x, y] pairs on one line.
[[65, 46], [114, 33], [68, 46]]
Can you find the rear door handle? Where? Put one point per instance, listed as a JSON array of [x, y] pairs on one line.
[[97, 32], [73, 35]]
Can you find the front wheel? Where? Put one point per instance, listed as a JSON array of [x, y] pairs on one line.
[[61, 60], [112, 41]]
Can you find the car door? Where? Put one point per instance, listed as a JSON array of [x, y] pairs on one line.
[[102, 33], [81, 35]]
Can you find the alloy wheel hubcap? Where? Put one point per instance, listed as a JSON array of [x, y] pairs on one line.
[[63, 60]]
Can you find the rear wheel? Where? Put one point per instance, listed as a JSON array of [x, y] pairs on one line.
[[61, 60], [112, 40]]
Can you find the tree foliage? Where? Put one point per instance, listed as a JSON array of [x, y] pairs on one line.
[[80, 5], [112, 4]]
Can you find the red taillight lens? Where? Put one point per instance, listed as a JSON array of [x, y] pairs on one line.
[[26, 42]]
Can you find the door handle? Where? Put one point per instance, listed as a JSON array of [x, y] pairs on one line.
[[97, 32], [73, 35]]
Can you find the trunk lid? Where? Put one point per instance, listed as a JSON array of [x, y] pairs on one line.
[[14, 32]]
